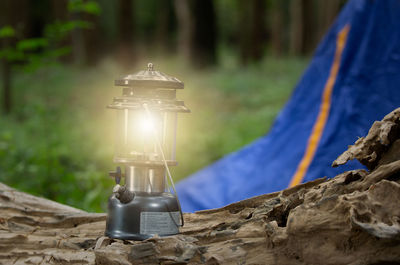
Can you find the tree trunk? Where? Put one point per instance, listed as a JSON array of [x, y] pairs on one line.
[[309, 19], [310, 29], [126, 30], [258, 30], [252, 30], [13, 13], [59, 10], [296, 27], [85, 43], [203, 52], [79, 54], [327, 12], [353, 218], [277, 27], [92, 39], [163, 26], [6, 76], [197, 31], [244, 31], [185, 28]]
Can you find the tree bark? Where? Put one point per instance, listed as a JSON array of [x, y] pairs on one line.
[[205, 34], [302, 27], [163, 26], [197, 33], [277, 27], [185, 28], [353, 218], [13, 13], [258, 30], [126, 30], [79, 53], [252, 30], [244, 31], [296, 27], [309, 20], [92, 39], [310, 29], [327, 12], [6, 76]]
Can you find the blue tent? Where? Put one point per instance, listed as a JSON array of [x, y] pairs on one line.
[[352, 80]]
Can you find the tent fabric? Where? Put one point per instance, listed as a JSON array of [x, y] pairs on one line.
[[352, 80]]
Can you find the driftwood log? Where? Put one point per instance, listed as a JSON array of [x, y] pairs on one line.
[[353, 218]]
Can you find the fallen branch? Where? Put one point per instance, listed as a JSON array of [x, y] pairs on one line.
[[353, 218]]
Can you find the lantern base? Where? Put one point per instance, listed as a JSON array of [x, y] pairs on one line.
[[147, 215]]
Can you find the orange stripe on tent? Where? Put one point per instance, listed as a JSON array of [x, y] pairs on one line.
[[323, 114]]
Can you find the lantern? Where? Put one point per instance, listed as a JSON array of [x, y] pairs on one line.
[[145, 147]]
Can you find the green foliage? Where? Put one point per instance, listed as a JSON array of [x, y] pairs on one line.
[[33, 53], [32, 44], [47, 146], [59, 30], [7, 32], [11, 54], [40, 144], [89, 7]]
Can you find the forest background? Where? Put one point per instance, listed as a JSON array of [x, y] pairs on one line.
[[239, 60]]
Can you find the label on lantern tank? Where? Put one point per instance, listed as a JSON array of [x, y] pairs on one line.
[[160, 223]]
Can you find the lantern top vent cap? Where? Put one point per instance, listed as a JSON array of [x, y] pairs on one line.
[[149, 79]]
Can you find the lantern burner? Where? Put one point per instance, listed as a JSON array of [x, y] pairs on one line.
[[146, 139]]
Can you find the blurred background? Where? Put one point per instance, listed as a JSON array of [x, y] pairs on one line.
[[239, 60]]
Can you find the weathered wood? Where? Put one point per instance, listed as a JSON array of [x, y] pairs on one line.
[[369, 150], [353, 218]]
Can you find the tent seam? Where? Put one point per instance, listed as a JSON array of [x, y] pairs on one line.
[[323, 114]]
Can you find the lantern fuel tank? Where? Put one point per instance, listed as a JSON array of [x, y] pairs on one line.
[[143, 206]]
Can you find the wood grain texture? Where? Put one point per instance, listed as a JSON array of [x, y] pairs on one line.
[[353, 218]]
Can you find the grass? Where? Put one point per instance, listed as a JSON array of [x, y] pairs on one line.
[[58, 142]]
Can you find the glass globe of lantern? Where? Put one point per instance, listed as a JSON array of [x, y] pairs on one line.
[[146, 124]]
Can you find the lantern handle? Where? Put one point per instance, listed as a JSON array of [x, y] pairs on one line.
[[166, 166]]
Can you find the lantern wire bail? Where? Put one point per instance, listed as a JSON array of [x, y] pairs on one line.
[[163, 158]]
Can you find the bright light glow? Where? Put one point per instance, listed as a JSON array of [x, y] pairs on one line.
[[147, 125]]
